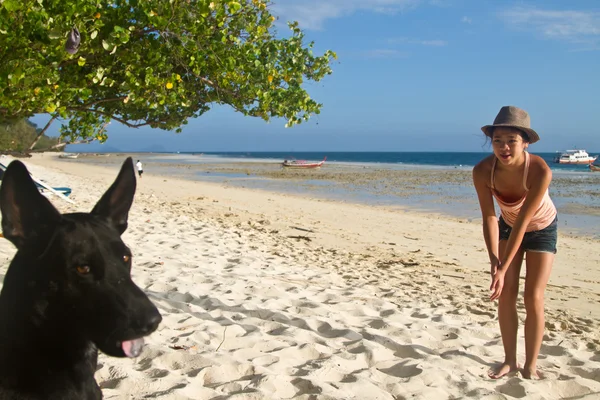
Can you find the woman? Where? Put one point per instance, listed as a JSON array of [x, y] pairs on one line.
[[528, 225]]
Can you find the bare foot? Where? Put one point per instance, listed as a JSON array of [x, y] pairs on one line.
[[530, 373], [502, 370]]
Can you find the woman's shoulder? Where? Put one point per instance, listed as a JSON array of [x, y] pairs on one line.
[[538, 165], [539, 171]]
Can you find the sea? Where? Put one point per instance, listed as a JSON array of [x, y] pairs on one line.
[[575, 190], [447, 159]]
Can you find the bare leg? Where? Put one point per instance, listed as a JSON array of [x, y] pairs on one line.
[[539, 266], [507, 314]]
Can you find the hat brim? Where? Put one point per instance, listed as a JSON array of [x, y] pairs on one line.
[[533, 136]]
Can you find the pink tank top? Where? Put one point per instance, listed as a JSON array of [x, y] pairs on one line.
[[543, 216]]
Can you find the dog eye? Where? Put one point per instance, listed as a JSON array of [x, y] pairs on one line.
[[83, 269], [126, 258]]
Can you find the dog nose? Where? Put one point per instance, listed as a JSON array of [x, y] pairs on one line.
[[149, 325], [153, 322]]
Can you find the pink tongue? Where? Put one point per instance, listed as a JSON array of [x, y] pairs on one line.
[[132, 348]]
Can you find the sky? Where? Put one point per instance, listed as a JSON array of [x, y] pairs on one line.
[[419, 75]]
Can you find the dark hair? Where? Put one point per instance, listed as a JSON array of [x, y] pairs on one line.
[[524, 135]]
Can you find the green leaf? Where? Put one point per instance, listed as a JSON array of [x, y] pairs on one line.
[[11, 5], [234, 6], [55, 34]]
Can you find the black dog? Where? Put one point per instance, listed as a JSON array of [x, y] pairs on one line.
[[68, 292]]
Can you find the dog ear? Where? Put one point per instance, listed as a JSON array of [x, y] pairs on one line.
[[25, 211], [116, 202]]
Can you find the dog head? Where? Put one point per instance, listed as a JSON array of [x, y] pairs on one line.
[[75, 266]]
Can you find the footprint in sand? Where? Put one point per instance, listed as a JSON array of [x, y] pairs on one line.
[[587, 373], [419, 315], [555, 351], [378, 324], [402, 370], [513, 388]]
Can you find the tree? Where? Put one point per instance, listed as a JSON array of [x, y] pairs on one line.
[[151, 63], [18, 136]]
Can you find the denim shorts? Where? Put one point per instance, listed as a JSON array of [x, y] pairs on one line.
[[543, 240]]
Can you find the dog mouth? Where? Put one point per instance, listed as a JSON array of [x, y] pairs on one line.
[[132, 348]]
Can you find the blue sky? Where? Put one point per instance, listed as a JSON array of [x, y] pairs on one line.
[[421, 75]]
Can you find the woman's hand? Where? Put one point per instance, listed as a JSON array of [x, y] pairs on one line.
[[497, 282], [494, 266]]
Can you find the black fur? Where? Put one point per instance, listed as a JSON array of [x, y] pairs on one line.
[[68, 291]]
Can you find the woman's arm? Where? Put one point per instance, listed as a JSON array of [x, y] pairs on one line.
[[481, 176], [541, 176]]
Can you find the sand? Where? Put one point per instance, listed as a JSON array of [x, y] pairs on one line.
[[276, 296]]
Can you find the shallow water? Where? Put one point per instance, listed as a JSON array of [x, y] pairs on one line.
[[429, 188]]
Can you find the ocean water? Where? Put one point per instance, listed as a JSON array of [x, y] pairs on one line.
[[412, 158], [575, 190]]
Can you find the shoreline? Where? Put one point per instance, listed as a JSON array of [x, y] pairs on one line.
[[424, 188]]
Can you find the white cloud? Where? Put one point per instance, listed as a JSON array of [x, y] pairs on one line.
[[466, 20], [385, 53], [572, 26], [434, 43], [312, 14]]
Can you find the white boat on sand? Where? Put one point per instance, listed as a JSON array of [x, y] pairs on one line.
[[44, 188], [69, 155], [302, 164]]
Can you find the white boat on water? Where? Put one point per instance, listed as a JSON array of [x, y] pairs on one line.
[[574, 157]]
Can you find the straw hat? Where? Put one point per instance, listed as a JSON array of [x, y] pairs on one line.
[[512, 117]]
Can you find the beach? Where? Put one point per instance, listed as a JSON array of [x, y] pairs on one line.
[[292, 295]]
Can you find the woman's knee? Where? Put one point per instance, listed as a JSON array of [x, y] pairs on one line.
[[534, 300]]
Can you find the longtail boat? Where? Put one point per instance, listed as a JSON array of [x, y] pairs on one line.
[[302, 164]]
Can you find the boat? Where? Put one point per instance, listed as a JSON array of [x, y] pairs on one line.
[[69, 155], [65, 191], [595, 168], [574, 157], [302, 164], [45, 189]]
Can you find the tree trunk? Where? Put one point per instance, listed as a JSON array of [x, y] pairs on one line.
[[37, 139]]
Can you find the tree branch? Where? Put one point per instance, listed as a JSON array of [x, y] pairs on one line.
[[84, 141], [121, 120], [60, 145], [118, 98], [39, 136]]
